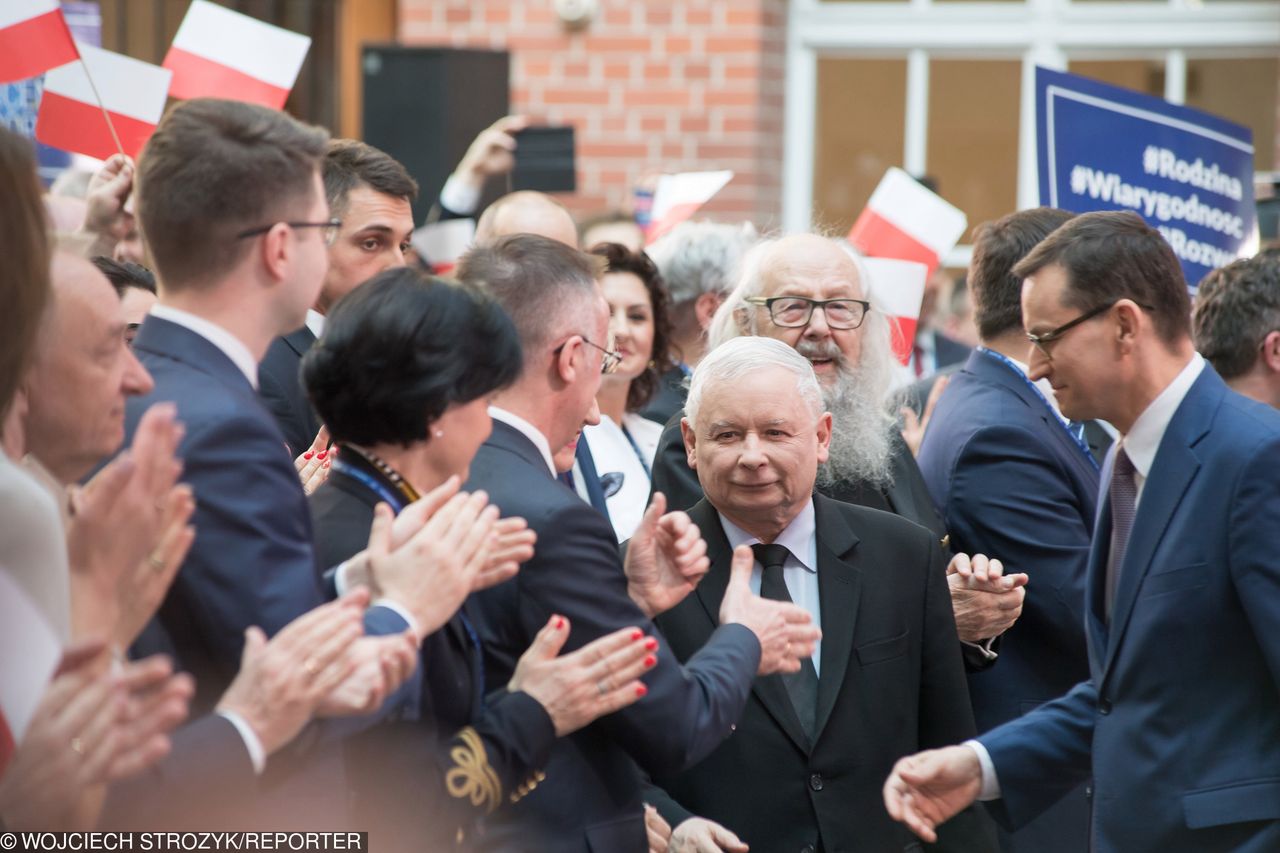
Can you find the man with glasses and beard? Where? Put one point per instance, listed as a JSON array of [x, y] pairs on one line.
[[808, 291]]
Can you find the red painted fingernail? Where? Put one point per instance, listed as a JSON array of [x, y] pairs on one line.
[[650, 660], [322, 454], [651, 644], [559, 622], [637, 634], [326, 464], [308, 455], [641, 690]]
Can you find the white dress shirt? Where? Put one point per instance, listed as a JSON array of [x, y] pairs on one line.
[[230, 346], [612, 451], [799, 572], [315, 322], [529, 431], [1141, 443]]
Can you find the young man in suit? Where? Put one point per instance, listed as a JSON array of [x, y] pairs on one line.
[[591, 799], [802, 770], [1237, 325], [1012, 478], [373, 194], [810, 293], [1178, 725]]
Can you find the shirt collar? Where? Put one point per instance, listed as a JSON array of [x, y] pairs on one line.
[[1144, 437], [529, 431], [1043, 386], [315, 322], [800, 536], [230, 346]]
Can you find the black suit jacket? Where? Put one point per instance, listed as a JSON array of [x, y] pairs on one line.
[[891, 683], [669, 398], [280, 386], [907, 495], [591, 799], [419, 784]]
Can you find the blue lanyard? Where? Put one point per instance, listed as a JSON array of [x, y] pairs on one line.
[[639, 455], [1008, 362], [394, 499]]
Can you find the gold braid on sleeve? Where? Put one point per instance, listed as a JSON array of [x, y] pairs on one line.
[[471, 776]]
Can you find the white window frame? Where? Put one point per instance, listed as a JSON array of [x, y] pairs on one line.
[[1037, 32]]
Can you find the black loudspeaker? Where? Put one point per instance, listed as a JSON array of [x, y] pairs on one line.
[[424, 106]]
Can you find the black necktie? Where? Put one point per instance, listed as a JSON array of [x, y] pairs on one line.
[[802, 686]]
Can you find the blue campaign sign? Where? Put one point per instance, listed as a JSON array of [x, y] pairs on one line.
[[1186, 172]]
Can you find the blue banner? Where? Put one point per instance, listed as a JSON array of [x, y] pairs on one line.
[[1186, 172]]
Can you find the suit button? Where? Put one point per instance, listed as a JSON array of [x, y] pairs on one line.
[[808, 848], [815, 781], [1104, 706]]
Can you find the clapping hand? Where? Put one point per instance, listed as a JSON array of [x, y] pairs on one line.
[[313, 463], [986, 601], [666, 558]]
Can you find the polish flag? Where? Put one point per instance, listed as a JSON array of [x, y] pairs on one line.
[[24, 677], [905, 220], [678, 197], [441, 244], [897, 291], [219, 53], [133, 93], [33, 38]]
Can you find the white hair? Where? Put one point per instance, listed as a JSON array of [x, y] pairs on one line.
[[738, 359], [701, 257], [859, 400]]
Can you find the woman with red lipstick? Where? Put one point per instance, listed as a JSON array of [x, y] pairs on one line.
[[623, 443]]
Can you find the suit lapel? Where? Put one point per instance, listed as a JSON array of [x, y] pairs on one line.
[[839, 590], [1172, 471], [769, 689], [300, 341], [165, 339]]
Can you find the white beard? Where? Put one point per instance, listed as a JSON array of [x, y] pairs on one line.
[[861, 430]]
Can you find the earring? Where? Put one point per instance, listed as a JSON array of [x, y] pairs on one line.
[[439, 433]]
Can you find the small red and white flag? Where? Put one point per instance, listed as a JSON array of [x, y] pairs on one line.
[[25, 673], [441, 244], [133, 93], [218, 53], [33, 38], [678, 197], [897, 291], [905, 220]]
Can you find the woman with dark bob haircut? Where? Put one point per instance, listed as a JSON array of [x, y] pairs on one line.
[[402, 378]]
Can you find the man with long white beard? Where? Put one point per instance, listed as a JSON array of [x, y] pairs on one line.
[[807, 291]]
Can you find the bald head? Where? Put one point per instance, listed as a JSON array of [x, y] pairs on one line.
[[527, 212], [819, 261], [81, 374]]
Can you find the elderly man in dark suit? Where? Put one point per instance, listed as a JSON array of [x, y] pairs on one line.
[[1013, 477], [803, 769], [1177, 728], [810, 292], [591, 799]]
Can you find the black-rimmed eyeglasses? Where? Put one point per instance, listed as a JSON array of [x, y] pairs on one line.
[[1042, 341], [608, 362], [329, 234], [792, 312]]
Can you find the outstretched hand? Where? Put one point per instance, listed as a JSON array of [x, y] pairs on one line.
[[786, 631], [926, 789]]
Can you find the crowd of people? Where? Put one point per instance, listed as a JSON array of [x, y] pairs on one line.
[[603, 546]]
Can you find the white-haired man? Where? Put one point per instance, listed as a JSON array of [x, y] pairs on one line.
[[800, 771], [808, 292]]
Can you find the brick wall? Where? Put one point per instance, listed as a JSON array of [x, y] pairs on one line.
[[658, 86]]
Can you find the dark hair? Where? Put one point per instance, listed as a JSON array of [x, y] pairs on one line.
[[1111, 255], [997, 247], [542, 284], [215, 168], [350, 163], [1236, 307], [24, 245], [125, 274], [618, 258], [399, 350]]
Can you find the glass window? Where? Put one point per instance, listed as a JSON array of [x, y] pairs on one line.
[[1246, 91], [973, 135], [861, 113]]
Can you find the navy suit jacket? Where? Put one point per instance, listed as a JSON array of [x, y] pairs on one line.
[[1012, 483], [591, 799], [280, 386], [892, 683], [1179, 722], [252, 561]]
